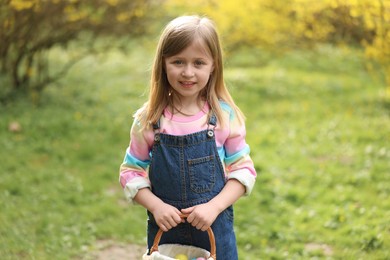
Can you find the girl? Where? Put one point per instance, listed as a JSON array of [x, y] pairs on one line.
[[187, 152]]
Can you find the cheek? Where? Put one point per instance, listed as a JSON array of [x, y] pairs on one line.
[[171, 75], [206, 75], [168, 72], [171, 71]]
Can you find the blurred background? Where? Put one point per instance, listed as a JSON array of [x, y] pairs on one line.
[[312, 77]]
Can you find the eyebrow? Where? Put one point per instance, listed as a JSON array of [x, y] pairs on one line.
[[181, 57]]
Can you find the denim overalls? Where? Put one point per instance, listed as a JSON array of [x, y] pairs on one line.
[[186, 171]]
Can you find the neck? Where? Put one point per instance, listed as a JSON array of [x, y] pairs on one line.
[[187, 108]]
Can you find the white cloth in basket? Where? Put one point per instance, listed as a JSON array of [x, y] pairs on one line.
[[169, 251]]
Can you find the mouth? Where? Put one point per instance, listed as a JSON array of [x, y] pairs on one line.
[[187, 84]]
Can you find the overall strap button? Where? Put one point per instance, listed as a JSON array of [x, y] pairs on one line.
[[210, 133], [157, 138]]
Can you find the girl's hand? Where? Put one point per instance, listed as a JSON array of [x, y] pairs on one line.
[[166, 216], [201, 216]]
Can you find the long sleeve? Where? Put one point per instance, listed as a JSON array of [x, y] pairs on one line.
[[133, 171], [238, 163]]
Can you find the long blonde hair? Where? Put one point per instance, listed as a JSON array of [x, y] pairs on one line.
[[176, 36]]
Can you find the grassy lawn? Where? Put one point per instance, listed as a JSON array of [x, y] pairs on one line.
[[319, 135]]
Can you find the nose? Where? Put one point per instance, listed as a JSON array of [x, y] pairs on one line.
[[188, 71]]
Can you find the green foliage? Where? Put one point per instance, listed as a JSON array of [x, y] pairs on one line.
[[318, 134], [29, 28]]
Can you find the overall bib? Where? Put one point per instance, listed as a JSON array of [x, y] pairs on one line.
[[186, 171]]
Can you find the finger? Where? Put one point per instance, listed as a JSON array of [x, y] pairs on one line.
[[172, 222], [199, 226], [177, 218], [163, 228], [195, 222], [167, 224], [191, 217], [187, 210], [204, 228]]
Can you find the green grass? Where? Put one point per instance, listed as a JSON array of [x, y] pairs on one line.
[[319, 135]]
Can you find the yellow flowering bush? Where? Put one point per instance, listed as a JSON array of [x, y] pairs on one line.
[[279, 24]]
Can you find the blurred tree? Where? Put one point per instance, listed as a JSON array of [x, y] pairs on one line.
[[281, 25], [376, 16], [29, 28], [288, 24]]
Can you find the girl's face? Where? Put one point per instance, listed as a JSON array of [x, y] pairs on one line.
[[189, 71]]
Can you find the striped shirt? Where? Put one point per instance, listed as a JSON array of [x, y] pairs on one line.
[[230, 141]]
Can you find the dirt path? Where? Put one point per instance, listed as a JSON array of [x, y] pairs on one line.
[[109, 250]]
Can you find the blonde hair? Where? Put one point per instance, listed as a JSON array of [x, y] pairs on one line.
[[176, 36]]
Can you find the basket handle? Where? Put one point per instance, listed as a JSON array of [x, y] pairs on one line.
[[209, 232]]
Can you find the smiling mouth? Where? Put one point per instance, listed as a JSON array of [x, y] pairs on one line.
[[187, 83]]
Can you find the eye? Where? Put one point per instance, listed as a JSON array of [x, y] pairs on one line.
[[199, 63], [178, 62]]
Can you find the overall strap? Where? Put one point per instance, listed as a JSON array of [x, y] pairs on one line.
[[156, 130], [213, 120], [156, 125]]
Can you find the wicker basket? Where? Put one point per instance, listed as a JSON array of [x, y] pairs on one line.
[[169, 251]]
